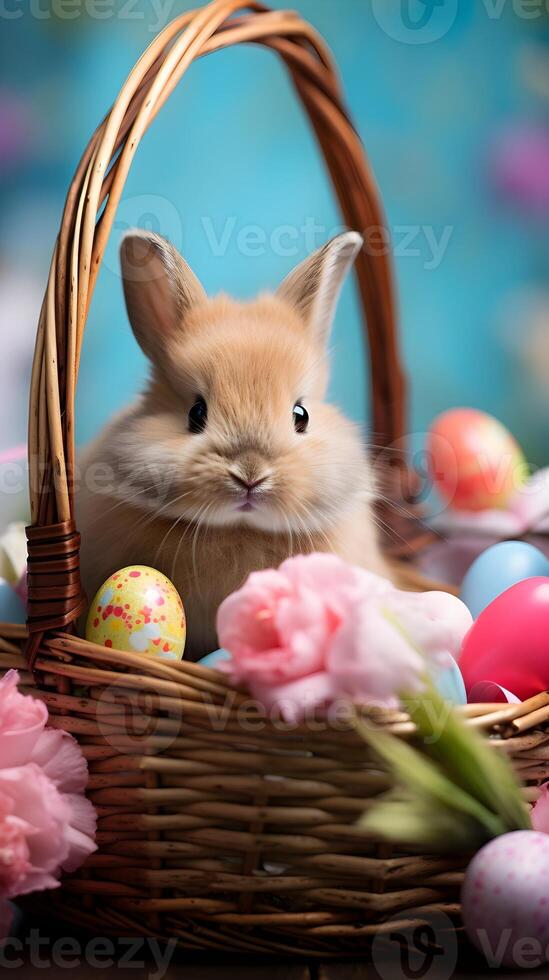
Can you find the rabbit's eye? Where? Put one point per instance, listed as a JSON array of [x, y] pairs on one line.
[[198, 416], [301, 418]]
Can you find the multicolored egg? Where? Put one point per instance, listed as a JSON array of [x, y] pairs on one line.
[[505, 899], [138, 610], [497, 569], [474, 462], [509, 642]]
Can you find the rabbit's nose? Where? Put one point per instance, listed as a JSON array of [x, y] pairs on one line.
[[247, 484]]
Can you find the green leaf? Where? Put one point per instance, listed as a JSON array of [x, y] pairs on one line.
[[452, 790], [468, 760], [420, 824], [426, 781]]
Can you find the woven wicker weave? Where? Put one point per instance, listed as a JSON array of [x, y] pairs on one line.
[[216, 826]]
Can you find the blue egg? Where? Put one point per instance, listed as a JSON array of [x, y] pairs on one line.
[[497, 569], [213, 659], [449, 684], [12, 609]]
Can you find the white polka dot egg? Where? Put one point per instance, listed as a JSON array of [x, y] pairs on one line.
[[505, 899], [138, 610]]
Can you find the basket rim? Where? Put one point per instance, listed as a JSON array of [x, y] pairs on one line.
[[59, 649]]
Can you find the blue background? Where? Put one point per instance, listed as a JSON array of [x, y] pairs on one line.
[[232, 145]]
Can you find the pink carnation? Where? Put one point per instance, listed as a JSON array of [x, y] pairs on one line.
[[22, 721], [46, 824], [318, 630]]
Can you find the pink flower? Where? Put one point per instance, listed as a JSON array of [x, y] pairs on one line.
[[22, 721], [296, 698], [33, 821], [46, 823], [14, 853], [371, 659], [540, 811], [318, 630], [280, 624], [435, 622]]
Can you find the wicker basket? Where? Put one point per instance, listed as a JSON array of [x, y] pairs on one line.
[[217, 827]]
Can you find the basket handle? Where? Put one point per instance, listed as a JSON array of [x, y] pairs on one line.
[[55, 595]]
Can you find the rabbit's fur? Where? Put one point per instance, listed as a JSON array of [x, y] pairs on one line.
[[184, 501]]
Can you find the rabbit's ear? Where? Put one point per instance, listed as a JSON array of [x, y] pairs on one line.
[[313, 287], [159, 287]]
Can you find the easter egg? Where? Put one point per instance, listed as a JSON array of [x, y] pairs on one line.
[[505, 900], [509, 642], [474, 462], [12, 609], [497, 569], [449, 683], [138, 610], [213, 660]]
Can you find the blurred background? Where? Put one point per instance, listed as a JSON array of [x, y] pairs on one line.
[[451, 98]]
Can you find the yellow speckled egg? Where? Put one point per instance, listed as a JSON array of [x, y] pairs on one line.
[[138, 610]]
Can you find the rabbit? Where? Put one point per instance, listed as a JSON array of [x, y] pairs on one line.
[[231, 460]]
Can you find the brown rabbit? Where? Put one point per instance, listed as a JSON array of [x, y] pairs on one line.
[[231, 460]]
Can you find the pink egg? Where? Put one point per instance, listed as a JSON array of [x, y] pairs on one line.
[[505, 900], [509, 642], [474, 462]]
